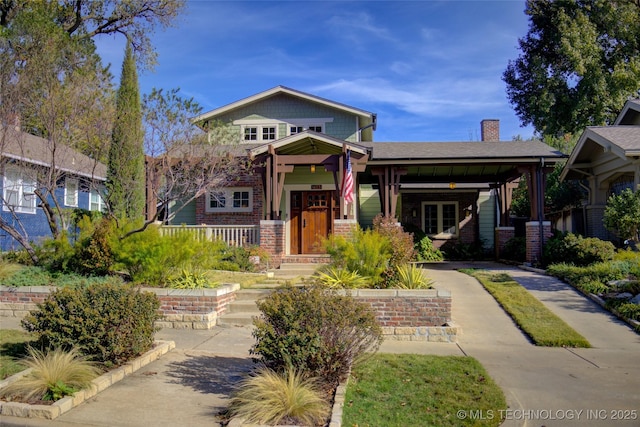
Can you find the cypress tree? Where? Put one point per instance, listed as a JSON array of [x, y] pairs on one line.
[[126, 174]]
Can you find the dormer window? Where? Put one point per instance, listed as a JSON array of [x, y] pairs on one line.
[[298, 129], [259, 133]]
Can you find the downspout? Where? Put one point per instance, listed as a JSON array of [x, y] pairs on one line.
[[584, 207]]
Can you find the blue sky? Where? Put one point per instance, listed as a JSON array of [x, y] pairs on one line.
[[431, 70]]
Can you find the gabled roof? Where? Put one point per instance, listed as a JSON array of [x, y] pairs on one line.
[[507, 151], [25, 147], [278, 90], [303, 137], [622, 141], [630, 114]]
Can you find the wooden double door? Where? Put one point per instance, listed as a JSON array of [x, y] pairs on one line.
[[312, 214]]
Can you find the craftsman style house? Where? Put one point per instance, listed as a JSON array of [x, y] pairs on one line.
[[31, 165], [303, 146], [607, 160]]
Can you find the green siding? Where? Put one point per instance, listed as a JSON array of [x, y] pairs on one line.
[[282, 107], [186, 215], [369, 205], [487, 218]]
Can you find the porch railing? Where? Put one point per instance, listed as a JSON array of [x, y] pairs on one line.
[[233, 235]]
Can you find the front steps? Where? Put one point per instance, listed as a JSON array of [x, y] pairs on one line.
[[242, 311]]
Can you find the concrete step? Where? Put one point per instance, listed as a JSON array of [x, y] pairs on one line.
[[236, 319], [242, 306], [251, 294]]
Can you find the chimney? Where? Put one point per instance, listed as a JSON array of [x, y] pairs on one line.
[[490, 130]]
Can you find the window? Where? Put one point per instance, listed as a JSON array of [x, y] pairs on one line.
[[268, 133], [253, 133], [19, 190], [233, 199], [71, 192], [440, 219], [250, 134], [297, 129], [96, 203]]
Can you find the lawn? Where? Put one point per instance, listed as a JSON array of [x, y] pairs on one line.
[[542, 326], [12, 348], [417, 390]]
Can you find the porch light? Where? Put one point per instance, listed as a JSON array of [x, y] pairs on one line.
[[313, 168], [452, 185]]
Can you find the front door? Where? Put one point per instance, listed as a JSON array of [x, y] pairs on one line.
[[311, 220]]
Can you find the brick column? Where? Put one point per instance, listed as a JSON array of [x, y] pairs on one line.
[[272, 240], [502, 236], [344, 227], [533, 239]]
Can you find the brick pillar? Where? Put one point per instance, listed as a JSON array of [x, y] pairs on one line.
[[534, 255], [344, 227], [272, 240], [502, 236]]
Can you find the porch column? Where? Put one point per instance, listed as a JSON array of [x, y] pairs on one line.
[[538, 232], [272, 240]]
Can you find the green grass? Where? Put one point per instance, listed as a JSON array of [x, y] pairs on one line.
[[13, 347], [417, 390], [542, 326]]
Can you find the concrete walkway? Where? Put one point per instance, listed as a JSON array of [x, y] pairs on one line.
[[544, 386]]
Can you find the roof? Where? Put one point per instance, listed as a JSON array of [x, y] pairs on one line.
[[459, 151], [630, 114], [282, 90], [29, 148], [305, 137]]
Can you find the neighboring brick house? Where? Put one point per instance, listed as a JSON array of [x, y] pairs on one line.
[[77, 182], [607, 160], [454, 191]]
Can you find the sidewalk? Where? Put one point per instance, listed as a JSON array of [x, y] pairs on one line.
[[190, 385]]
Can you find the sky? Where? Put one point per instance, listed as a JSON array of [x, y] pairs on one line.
[[430, 70]]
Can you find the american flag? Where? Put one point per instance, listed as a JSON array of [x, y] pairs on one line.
[[347, 181]]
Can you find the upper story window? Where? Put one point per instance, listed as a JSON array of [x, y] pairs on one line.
[[232, 199], [298, 129], [19, 188], [96, 202], [71, 192], [440, 219], [260, 133]]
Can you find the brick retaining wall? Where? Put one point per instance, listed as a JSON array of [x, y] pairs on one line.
[[416, 315]]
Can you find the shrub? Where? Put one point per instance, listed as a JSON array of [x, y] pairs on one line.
[[315, 330], [340, 278], [515, 249], [53, 375], [465, 251], [592, 278], [622, 214], [425, 251], [191, 279], [575, 249], [401, 246], [269, 398], [109, 323], [366, 251], [412, 277], [37, 276], [93, 253]]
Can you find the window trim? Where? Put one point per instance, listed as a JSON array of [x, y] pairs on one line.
[[441, 234], [102, 206], [22, 174], [229, 196], [72, 181]]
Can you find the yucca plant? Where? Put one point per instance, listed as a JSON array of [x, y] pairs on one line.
[[341, 278], [54, 374], [412, 277], [270, 398]]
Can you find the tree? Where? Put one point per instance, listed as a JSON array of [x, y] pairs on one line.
[[86, 19], [183, 162], [579, 62], [622, 214], [53, 86], [125, 174]]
